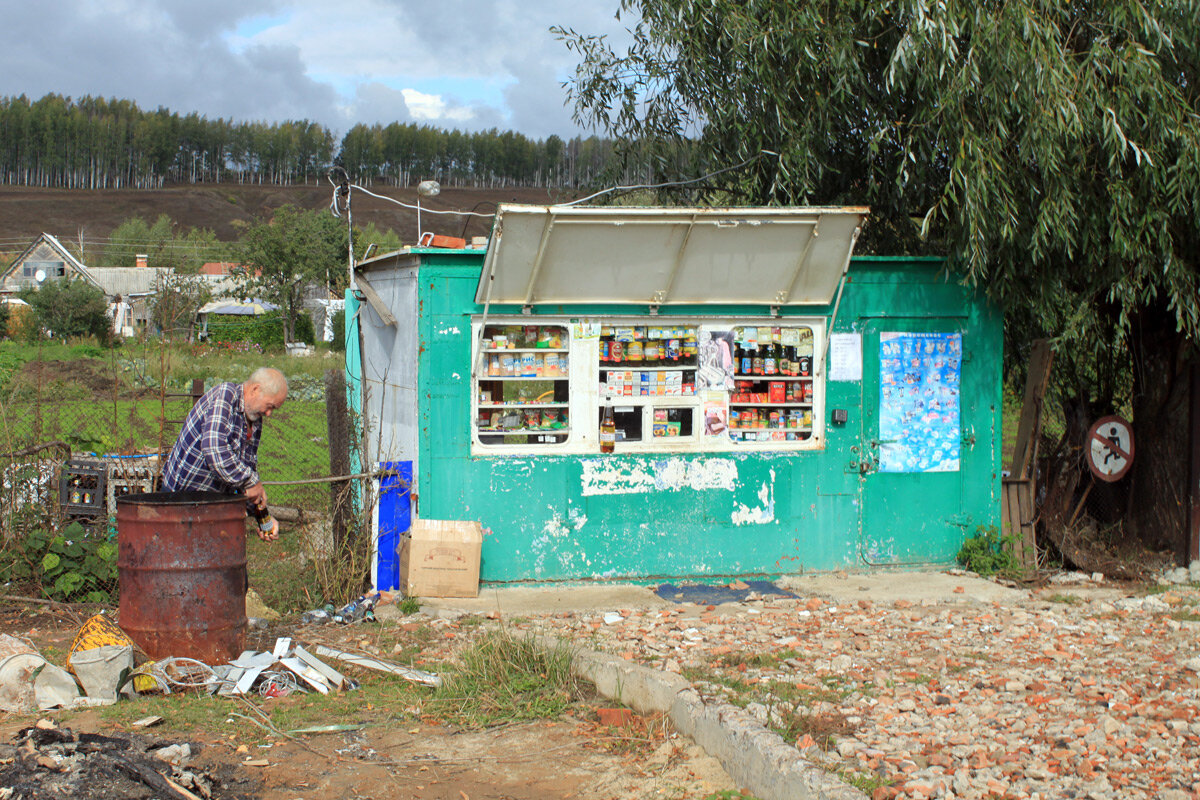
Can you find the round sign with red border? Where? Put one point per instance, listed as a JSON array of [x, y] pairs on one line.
[[1110, 448]]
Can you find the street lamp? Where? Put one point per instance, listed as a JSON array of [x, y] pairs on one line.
[[425, 189]]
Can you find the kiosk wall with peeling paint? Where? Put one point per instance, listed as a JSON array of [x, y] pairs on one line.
[[882, 450]]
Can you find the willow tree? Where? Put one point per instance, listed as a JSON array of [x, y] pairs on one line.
[[1050, 149]]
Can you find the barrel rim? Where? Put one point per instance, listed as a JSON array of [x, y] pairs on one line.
[[179, 499]]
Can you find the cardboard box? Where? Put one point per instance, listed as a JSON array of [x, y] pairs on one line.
[[440, 558]]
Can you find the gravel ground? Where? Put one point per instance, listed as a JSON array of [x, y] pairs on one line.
[[1090, 694]]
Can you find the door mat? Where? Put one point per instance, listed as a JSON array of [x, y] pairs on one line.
[[705, 594]]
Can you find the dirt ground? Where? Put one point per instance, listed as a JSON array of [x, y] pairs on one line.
[[226, 209], [573, 757]]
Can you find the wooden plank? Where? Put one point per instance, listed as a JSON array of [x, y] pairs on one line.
[[1017, 514], [1026, 514], [1025, 453], [375, 300]]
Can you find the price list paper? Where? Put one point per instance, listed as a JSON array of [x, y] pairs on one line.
[[919, 381]]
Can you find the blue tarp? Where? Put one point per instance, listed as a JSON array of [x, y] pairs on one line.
[[715, 594]]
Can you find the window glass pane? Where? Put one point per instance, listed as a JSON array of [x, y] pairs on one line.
[[772, 400], [523, 392]]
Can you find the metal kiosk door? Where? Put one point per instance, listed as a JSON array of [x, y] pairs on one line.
[[913, 440]]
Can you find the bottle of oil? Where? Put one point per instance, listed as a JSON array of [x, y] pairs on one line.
[[608, 428]]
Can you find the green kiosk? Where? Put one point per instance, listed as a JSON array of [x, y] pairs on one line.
[[778, 404]]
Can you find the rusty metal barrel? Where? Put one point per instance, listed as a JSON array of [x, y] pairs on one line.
[[181, 559]]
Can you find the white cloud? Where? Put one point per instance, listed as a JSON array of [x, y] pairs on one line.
[[433, 107], [471, 64]]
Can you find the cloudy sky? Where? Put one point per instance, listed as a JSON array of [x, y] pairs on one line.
[[467, 64]]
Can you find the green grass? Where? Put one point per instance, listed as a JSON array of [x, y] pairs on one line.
[[1068, 599], [501, 678]]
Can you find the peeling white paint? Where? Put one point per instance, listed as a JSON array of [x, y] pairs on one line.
[[665, 475], [764, 514], [456, 376], [452, 330]]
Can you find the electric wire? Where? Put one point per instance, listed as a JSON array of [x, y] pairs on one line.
[[747, 162]]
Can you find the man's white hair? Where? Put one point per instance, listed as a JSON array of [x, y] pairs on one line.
[[270, 380]]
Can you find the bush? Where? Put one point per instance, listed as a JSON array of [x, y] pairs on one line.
[[338, 344], [989, 553], [264, 330], [74, 565], [302, 330], [68, 308]]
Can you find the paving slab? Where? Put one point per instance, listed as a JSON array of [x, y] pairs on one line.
[[557, 599], [915, 587]]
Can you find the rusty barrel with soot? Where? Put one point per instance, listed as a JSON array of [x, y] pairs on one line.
[[181, 559]]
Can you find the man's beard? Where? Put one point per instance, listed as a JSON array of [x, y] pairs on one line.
[[254, 416]]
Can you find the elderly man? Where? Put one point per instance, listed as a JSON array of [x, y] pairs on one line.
[[217, 450]]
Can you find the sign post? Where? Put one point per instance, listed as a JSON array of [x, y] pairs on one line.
[[1110, 448]]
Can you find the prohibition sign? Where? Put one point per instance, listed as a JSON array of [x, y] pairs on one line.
[[1110, 448]]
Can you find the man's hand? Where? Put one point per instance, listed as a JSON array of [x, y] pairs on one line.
[[257, 495], [271, 535]]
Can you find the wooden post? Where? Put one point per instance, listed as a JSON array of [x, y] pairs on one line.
[[1024, 462], [337, 418], [197, 390], [1193, 539]]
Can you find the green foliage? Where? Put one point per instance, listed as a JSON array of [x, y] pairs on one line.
[[67, 308], [503, 679], [5, 314], [304, 331], [988, 553], [265, 330], [297, 249], [1057, 165], [409, 605], [384, 241], [163, 244], [338, 345], [179, 297], [74, 565]]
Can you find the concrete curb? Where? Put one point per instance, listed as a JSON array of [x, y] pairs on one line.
[[755, 757]]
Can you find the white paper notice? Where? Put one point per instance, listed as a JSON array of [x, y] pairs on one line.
[[845, 357]]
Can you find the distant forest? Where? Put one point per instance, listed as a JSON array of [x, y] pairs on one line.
[[97, 143]]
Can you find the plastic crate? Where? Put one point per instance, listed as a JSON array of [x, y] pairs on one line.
[[130, 476], [82, 487]]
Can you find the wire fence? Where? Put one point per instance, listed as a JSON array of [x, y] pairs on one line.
[[78, 433]]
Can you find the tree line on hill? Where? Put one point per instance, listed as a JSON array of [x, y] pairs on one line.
[[98, 143]]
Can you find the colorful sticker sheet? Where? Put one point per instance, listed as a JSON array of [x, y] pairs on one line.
[[919, 380]]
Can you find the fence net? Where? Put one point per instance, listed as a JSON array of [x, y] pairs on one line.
[[78, 430]]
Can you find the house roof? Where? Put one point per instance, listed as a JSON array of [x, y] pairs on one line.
[[57, 246], [129, 280]]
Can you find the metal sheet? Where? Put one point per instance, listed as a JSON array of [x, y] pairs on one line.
[[181, 559], [665, 256]]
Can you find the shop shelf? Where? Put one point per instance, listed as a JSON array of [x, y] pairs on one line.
[[529, 350], [523, 405], [770, 405], [521, 378], [773, 377]]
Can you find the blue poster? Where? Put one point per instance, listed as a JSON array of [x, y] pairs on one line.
[[919, 379]]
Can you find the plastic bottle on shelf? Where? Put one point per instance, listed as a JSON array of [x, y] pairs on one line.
[[608, 428]]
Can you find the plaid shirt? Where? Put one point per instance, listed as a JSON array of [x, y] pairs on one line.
[[217, 450]]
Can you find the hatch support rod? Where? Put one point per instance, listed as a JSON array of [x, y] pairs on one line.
[[487, 302], [783, 296], [841, 285], [663, 294], [538, 260]]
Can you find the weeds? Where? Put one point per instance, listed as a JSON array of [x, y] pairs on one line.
[[989, 553], [1067, 599], [502, 679]]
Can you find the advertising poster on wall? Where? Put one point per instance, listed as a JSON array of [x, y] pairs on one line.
[[919, 382]]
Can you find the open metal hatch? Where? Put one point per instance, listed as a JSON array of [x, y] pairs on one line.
[[668, 256]]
